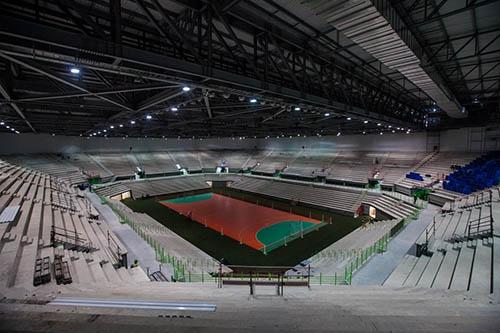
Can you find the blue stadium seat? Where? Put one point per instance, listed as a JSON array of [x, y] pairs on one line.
[[415, 176], [479, 174]]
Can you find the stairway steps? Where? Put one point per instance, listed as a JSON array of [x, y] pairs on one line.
[[445, 272], [400, 274], [461, 275], [416, 272], [481, 271], [431, 270]]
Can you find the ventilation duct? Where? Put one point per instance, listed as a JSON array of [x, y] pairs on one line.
[[361, 22]]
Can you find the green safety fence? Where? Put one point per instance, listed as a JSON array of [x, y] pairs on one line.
[[379, 246], [355, 263], [288, 238]]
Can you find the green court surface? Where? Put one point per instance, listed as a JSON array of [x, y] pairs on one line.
[[277, 232], [191, 199]]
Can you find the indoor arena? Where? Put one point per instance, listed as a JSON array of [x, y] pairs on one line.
[[249, 165]]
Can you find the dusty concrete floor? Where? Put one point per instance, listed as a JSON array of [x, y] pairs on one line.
[[322, 308]]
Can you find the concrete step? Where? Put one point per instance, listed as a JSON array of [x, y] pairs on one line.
[[445, 273], [431, 270], [482, 271], [417, 272], [400, 274], [461, 275]]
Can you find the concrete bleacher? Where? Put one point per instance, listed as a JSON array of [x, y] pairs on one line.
[[122, 165], [346, 200], [274, 160], [334, 258], [112, 189], [90, 167], [156, 163], [338, 167], [456, 201], [435, 167], [50, 205], [145, 188], [459, 249], [58, 166], [390, 206], [188, 160]]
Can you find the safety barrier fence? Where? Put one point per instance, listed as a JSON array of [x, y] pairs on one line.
[[378, 246], [288, 238], [410, 200]]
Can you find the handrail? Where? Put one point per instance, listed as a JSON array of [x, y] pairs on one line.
[[111, 239], [78, 241]]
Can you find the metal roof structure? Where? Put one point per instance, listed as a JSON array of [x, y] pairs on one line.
[[183, 68]]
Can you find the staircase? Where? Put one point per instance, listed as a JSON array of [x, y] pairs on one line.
[[70, 240]]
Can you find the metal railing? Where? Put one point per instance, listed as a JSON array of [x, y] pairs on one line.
[[72, 237], [288, 238]]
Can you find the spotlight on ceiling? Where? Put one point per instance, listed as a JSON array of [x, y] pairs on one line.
[[174, 109], [75, 70], [148, 116], [253, 100], [121, 125], [379, 124], [349, 118], [338, 134], [327, 114], [365, 122], [111, 127], [186, 88], [297, 108], [132, 122]]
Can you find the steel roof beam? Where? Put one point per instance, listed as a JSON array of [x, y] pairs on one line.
[[37, 68], [4, 92]]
